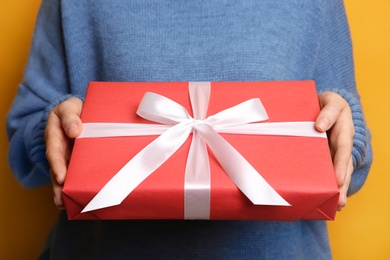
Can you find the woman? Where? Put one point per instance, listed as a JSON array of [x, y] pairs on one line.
[[76, 42]]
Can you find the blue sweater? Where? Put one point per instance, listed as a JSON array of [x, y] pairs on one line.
[[78, 41]]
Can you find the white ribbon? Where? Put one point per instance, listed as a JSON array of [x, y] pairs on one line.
[[175, 126]]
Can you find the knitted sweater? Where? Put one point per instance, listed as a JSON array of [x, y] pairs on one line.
[[78, 41]]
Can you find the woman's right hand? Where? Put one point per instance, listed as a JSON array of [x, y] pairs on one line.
[[63, 125]]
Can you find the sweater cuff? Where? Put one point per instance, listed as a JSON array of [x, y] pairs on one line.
[[360, 140]]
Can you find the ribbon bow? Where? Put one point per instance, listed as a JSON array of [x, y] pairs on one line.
[[175, 126]]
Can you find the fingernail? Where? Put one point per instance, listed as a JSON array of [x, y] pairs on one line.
[[323, 124], [343, 200]]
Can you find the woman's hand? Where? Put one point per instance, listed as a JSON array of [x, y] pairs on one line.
[[63, 125], [336, 118]]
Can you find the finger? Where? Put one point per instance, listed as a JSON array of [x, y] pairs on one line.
[[332, 105], [344, 189], [69, 114], [56, 147], [57, 196], [341, 142]]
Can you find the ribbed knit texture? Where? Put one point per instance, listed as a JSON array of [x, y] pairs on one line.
[[78, 41]]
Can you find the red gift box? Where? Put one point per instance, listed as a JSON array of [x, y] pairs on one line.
[[298, 168]]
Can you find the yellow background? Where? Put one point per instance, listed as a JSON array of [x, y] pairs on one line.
[[361, 230]]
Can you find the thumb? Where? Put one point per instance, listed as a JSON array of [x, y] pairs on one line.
[[69, 114], [331, 108]]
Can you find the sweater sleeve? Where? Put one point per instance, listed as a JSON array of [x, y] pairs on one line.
[[44, 86], [335, 72]]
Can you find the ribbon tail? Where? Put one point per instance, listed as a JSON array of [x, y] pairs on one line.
[[140, 167], [239, 170], [197, 181]]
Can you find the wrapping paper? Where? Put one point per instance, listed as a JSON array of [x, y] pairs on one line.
[[298, 168]]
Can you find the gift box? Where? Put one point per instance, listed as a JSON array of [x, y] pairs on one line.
[[199, 150]]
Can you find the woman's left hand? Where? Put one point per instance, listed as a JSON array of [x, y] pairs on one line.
[[335, 118]]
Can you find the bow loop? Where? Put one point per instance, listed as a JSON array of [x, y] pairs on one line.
[[158, 108], [246, 112]]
